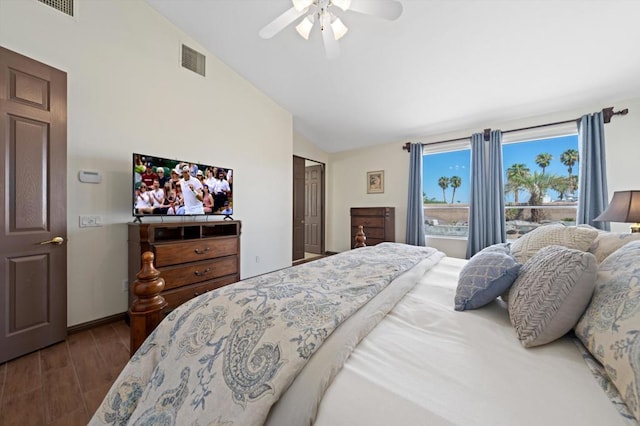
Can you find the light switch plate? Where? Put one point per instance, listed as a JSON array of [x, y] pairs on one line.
[[90, 221]]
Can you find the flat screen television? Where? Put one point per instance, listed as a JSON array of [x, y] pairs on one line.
[[167, 187]]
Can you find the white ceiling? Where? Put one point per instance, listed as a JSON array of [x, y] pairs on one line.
[[444, 65]]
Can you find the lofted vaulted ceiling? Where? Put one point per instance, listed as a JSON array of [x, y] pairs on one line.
[[444, 65]]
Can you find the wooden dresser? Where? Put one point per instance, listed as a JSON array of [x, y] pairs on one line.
[[378, 222], [192, 257]]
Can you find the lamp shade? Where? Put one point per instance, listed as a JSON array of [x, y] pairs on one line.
[[624, 207]]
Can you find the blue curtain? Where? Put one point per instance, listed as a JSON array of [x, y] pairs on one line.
[[486, 204], [592, 194], [495, 221], [415, 207]]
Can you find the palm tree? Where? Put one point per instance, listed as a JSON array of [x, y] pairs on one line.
[[515, 174], [456, 181], [543, 160], [443, 183], [569, 158], [538, 184]]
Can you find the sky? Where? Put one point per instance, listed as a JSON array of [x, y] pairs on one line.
[[456, 163]]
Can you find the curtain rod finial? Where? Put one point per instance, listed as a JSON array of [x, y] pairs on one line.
[[407, 146], [607, 113]]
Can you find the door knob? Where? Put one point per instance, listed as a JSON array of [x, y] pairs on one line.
[[54, 240]]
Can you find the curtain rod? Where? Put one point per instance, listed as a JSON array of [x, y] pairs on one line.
[[606, 112]]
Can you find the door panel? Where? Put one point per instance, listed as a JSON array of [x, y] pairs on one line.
[[298, 208], [313, 209], [33, 168]]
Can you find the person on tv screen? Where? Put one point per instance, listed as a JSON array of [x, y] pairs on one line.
[[192, 192], [149, 176], [227, 211], [220, 190]]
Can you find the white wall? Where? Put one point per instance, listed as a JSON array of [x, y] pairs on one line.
[[348, 170], [127, 93]]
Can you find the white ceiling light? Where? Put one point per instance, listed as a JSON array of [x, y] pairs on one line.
[[331, 26], [339, 29], [305, 26], [342, 4], [301, 5]]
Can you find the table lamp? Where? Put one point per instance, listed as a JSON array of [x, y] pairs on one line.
[[624, 207]]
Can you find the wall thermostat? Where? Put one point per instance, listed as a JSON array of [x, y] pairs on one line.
[[87, 176]]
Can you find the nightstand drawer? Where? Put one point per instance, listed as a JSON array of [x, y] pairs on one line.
[[177, 276], [193, 250]]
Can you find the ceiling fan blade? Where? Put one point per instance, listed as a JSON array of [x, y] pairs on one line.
[[386, 9], [281, 22], [331, 46]]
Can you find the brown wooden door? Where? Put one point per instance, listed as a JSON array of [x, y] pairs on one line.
[[314, 191], [33, 189], [298, 208]]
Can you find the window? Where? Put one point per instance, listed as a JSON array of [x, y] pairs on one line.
[[446, 183], [541, 173], [540, 176]]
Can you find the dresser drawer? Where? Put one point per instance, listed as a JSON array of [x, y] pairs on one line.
[[178, 296], [177, 276], [193, 250], [370, 211], [367, 222], [369, 232]]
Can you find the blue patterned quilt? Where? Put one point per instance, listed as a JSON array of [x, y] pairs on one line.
[[225, 357]]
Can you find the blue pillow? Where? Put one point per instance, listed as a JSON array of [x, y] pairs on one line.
[[486, 276]]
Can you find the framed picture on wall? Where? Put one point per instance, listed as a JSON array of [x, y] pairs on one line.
[[375, 182]]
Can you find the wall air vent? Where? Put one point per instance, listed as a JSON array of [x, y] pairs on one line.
[[64, 6], [193, 60]]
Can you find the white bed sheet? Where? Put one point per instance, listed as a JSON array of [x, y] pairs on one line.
[[426, 364]]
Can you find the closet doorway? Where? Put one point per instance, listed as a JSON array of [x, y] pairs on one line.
[[308, 208]]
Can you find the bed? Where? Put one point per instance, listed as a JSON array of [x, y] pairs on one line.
[[396, 334]]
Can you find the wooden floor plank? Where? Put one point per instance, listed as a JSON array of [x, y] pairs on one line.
[[61, 393], [65, 383], [24, 409], [3, 374], [23, 376], [56, 356], [91, 369], [110, 347]]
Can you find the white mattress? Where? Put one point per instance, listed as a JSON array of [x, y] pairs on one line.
[[426, 364]]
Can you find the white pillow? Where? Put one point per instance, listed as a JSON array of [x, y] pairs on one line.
[[575, 237], [551, 293]]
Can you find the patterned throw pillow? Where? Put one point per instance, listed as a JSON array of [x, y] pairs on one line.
[[608, 242], [551, 293], [488, 274], [574, 237], [610, 327]]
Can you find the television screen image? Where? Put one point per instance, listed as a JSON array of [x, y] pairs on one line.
[[165, 187]]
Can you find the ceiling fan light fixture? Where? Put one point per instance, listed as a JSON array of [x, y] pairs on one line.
[[342, 4], [301, 5], [305, 26], [339, 28]]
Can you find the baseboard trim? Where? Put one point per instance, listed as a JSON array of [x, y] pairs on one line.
[[96, 323]]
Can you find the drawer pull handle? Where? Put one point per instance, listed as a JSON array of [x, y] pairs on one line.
[[198, 251], [203, 273]]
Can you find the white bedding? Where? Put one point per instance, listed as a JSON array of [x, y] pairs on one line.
[[426, 364]]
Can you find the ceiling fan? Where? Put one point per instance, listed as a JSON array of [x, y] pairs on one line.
[[331, 26]]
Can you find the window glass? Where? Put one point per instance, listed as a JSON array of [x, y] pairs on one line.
[[541, 173], [540, 178], [446, 184]]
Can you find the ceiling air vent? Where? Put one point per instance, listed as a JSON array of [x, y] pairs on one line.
[[193, 60], [64, 6]]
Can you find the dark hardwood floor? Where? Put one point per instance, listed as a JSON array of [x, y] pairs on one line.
[[65, 383]]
